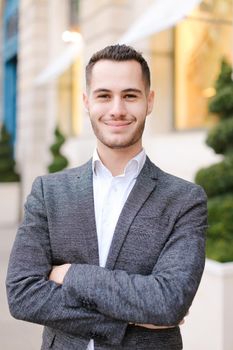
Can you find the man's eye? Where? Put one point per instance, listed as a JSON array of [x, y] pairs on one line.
[[130, 96], [103, 97]]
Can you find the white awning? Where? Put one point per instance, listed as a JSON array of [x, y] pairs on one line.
[[60, 64], [162, 14]]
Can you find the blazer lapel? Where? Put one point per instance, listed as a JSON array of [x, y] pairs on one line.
[[86, 213], [143, 187]]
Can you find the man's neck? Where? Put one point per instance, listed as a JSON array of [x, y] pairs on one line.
[[116, 159]]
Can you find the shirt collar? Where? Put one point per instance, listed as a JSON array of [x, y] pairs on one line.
[[133, 167]]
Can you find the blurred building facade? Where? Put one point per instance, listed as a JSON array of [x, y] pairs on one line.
[[45, 50]]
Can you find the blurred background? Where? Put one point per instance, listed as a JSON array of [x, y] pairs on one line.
[[44, 47]]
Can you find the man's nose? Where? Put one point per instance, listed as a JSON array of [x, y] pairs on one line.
[[118, 108]]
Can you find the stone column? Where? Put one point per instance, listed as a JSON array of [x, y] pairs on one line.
[[32, 58]]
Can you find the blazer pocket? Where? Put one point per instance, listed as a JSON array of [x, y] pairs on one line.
[[57, 340], [148, 223], [143, 244]]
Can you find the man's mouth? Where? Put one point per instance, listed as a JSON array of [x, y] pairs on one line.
[[117, 123]]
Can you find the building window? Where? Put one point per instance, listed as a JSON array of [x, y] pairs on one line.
[[70, 99], [12, 25], [201, 41], [10, 59], [70, 82]]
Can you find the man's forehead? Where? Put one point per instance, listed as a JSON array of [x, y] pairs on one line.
[[127, 64], [106, 73]]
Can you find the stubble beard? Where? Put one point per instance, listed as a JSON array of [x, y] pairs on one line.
[[121, 144]]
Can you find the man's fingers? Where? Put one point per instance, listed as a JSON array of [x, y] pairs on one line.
[[152, 326], [58, 273]]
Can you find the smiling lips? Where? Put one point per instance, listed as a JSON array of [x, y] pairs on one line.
[[117, 123]]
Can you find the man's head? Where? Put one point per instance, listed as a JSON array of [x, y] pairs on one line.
[[119, 53], [118, 97]]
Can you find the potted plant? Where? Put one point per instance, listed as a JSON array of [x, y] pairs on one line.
[[59, 162], [213, 306], [9, 182]]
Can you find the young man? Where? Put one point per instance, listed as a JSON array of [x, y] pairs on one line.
[[110, 254]]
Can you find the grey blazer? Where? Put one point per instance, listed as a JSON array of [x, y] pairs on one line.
[[152, 272]]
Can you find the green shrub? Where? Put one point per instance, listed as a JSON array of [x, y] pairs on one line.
[[223, 102], [217, 179], [220, 232], [7, 162], [59, 161], [224, 78], [220, 138]]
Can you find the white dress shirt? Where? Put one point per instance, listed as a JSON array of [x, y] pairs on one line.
[[110, 195]]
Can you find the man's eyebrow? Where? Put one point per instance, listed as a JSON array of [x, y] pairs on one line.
[[101, 90], [137, 91], [133, 90]]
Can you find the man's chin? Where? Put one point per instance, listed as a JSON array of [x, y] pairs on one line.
[[120, 144]]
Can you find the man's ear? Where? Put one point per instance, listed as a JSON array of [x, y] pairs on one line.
[[150, 101], [85, 101]]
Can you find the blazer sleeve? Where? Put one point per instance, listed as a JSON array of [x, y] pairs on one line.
[[32, 297], [163, 297]]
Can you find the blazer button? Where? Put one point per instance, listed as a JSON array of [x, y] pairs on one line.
[[85, 302], [88, 304]]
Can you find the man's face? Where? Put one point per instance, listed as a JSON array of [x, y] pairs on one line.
[[118, 103]]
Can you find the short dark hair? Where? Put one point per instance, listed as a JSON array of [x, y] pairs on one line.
[[119, 53]]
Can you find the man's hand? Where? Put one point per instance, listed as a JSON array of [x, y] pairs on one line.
[[58, 273], [153, 326]]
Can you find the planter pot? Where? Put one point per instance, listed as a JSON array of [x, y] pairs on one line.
[[209, 324], [9, 203]]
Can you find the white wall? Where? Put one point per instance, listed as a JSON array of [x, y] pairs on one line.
[[209, 323]]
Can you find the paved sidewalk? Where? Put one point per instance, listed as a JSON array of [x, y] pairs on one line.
[[14, 334]]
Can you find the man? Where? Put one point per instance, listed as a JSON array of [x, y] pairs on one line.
[[110, 254]]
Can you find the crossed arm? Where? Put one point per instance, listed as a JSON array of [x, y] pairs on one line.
[[58, 274]]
